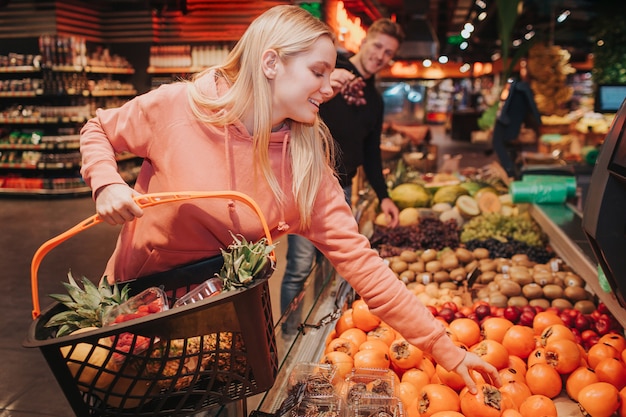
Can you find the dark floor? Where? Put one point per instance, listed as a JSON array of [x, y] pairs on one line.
[[27, 386]]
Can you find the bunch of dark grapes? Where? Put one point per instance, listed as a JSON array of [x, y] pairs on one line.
[[498, 249], [429, 233]]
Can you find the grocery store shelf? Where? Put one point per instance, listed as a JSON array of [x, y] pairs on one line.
[[173, 70], [45, 191]]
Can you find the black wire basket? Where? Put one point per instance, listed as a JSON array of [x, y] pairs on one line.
[[176, 362]]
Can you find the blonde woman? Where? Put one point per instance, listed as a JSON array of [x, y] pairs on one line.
[[249, 125]]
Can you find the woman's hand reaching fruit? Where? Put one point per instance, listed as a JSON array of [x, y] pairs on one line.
[[474, 362]]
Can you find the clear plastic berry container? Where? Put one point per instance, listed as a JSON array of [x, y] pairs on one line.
[[370, 382], [317, 378], [374, 405], [208, 288], [320, 406], [149, 301]]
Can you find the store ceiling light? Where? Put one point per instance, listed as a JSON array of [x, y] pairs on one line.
[[563, 16]]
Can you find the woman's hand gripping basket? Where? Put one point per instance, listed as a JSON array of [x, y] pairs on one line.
[[198, 354]]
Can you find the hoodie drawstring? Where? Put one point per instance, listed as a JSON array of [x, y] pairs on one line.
[[282, 224], [231, 202]]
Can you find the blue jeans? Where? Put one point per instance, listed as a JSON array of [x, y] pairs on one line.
[[301, 254]]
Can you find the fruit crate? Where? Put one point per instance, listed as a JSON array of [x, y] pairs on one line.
[[193, 357]]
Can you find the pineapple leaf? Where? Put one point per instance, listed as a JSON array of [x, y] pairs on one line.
[[71, 279], [62, 298], [61, 318], [85, 306], [243, 261], [121, 295], [90, 288], [66, 329], [74, 291]]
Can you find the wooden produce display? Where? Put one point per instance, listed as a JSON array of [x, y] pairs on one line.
[[509, 286]]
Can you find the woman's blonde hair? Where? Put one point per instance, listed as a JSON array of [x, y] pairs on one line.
[[290, 31]]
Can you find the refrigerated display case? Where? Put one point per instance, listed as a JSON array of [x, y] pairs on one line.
[[604, 220]]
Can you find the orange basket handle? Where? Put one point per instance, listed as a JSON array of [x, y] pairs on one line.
[[146, 200]]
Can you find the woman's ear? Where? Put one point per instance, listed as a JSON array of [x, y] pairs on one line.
[[269, 60]]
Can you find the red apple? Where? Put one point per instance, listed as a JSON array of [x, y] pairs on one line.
[[512, 313]]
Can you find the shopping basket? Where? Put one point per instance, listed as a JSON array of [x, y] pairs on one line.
[[175, 362]]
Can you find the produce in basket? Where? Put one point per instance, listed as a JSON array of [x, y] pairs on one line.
[[178, 361], [86, 307], [175, 361], [243, 261], [95, 356], [149, 301]]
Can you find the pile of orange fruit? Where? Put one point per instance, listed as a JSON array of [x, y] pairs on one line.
[[536, 363]]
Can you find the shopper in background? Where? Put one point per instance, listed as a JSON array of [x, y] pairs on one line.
[[518, 108], [249, 125], [355, 119]]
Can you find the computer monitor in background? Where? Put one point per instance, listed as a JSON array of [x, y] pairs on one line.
[[609, 97], [604, 216]]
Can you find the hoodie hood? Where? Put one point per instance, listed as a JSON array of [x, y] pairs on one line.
[[215, 86]]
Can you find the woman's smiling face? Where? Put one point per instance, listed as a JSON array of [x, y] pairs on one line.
[[302, 83]]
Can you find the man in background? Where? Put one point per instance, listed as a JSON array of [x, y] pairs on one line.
[[355, 119], [519, 108]]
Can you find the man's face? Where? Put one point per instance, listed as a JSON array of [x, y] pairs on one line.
[[376, 51]]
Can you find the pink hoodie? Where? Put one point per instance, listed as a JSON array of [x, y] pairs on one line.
[[183, 154]]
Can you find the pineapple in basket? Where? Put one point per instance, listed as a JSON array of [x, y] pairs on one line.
[[86, 308]]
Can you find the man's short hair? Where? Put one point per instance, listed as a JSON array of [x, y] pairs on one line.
[[387, 27]]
